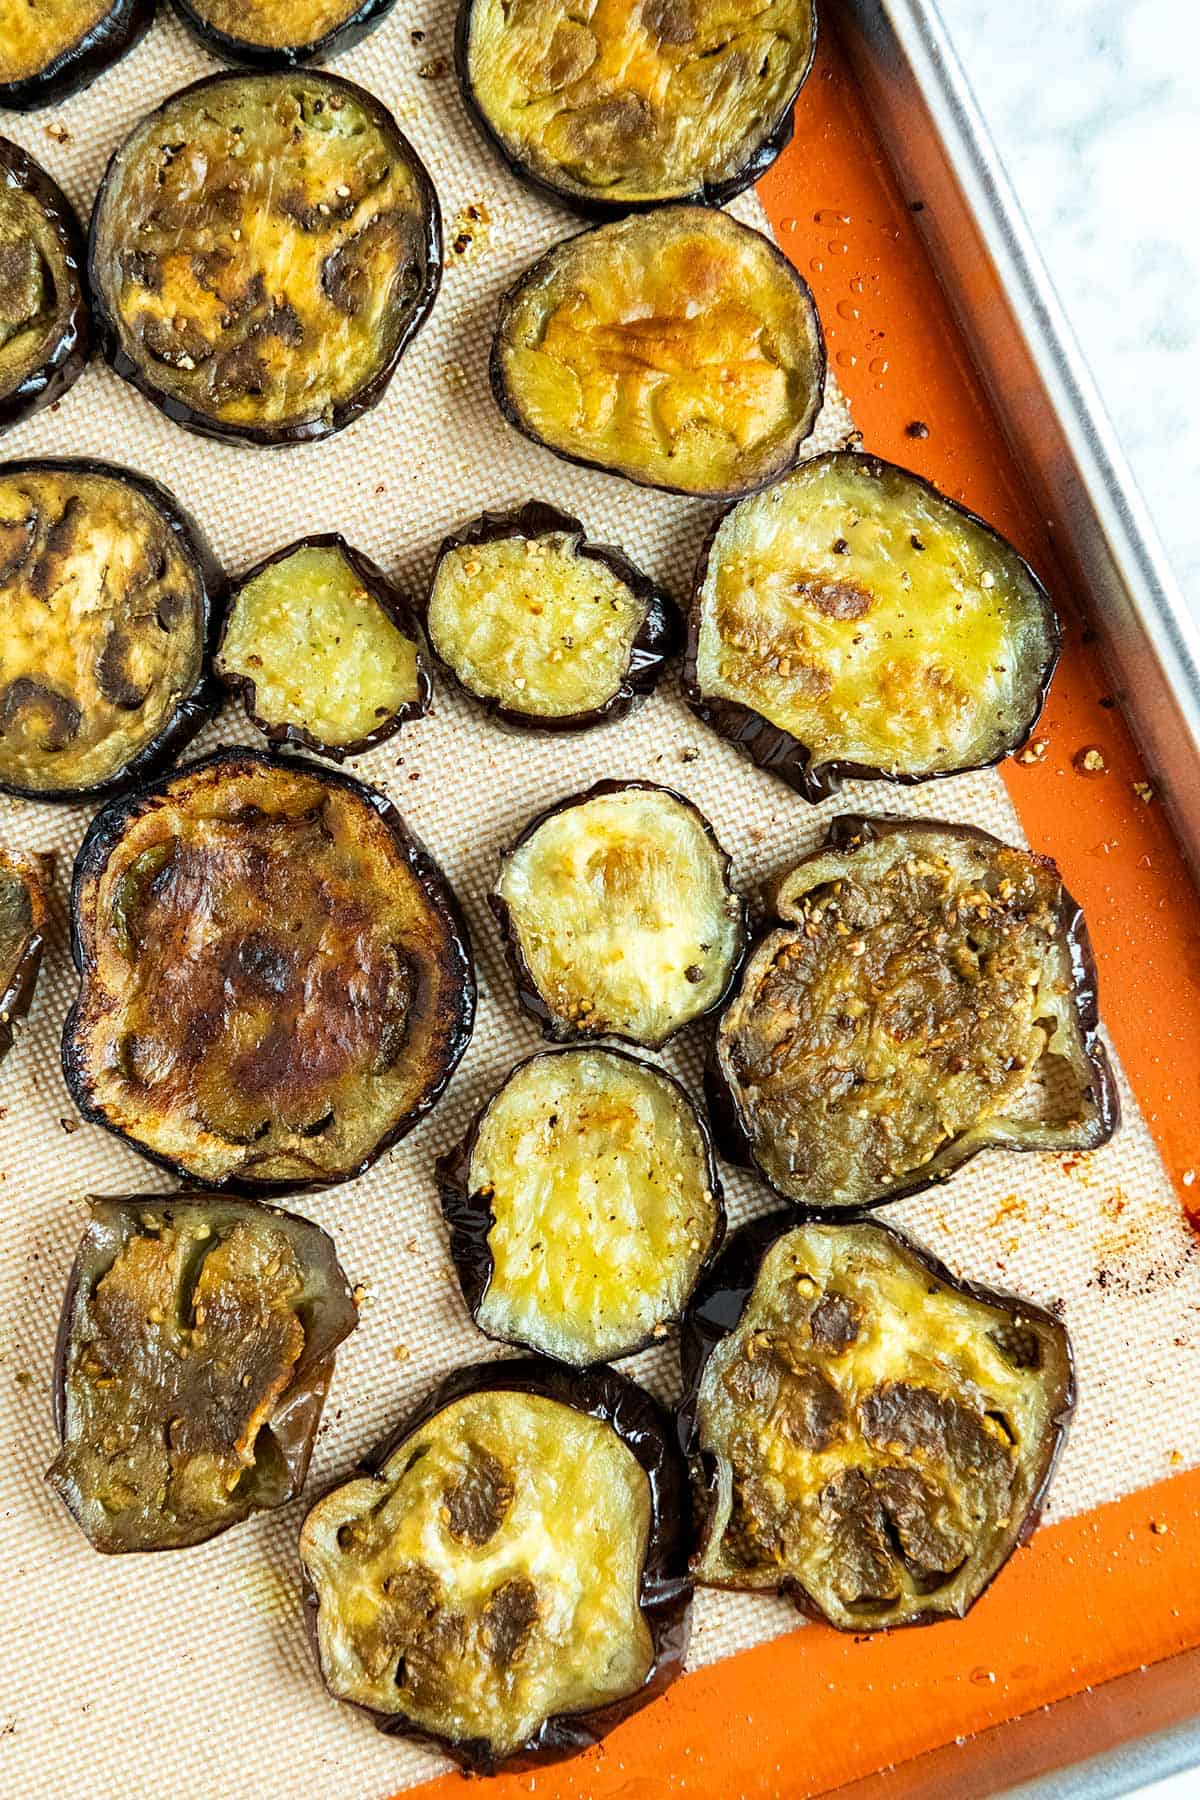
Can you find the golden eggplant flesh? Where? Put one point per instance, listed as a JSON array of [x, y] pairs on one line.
[[24, 881]]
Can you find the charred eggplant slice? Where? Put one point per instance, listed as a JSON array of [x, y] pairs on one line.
[[49, 49], [871, 1435], [281, 34], [263, 249], [45, 324], [852, 621], [23, 916], [930, 992], [583, 1205], [323, 650], [507, 1576], [678, 348], [549, 631], [618, 916], [194, 1354], [107, 593], [318, 1013]]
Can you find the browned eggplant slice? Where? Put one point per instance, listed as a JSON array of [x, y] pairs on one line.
[[263, 249], [23, 916], [549, 631], [871, 1435], [618, 915], [322, 649], [583, 1205], [852, 621], [108, 592], [317, 1016], [678, 348], [45, 324], [195, 1351], [281, 34], [507, 1576], [930, 992], [632, 106], [49, 49]]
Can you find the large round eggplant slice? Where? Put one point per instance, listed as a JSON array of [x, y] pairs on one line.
[[679, 349], [45, 324], [195, 1351], [281, 34], [23, 915], [322, 649], [632, 106], [929, 992], [107, 596], [49, 49], [507, 1576], [618, 916], [870, 1434], [314, 1018], [852, 621], [263, 248], [549, 631], [583, 1205]]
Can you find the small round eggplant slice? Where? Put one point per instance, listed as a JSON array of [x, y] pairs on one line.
[[507, 1576], [635, 105], [263, 249], [870, 1434], [618, 916], [281, 34], [550, 632], [49, 49], [929, 993], [322, 649], [107, 594], [23, 915], [583, 1205], [315, 1018], [678, 348], [195, 1351], [852, 621], [45, 324]]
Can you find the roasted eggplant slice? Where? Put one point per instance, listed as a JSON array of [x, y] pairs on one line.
[[23, 915], [582, 1205], [870, 1435], [852, 621], [929, 993], [679, 349], [107, 591], [45, 324], [323, 650], [263, 249], [194, 1354], [281, 34], [310, 1020], [548, 631], [50, 49], [507, 1576], [631, 106], [618, 916]]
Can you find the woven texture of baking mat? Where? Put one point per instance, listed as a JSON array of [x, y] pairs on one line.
[[190, 1673]]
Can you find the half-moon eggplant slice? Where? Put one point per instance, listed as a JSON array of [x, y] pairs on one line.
[[322, 649], [281, 34], [49, 49], [618, 916], [108, 593], [45, 324], [195, 1351], [583, 1205], [852, 621], [507, 1576], [929, 993], [679, 348], [871, 1435], [317, 1016], [263, 249], [549, 631], [632, 106], [23, 916]]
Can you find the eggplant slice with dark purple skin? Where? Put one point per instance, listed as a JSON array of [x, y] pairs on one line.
[[108, 594], [507, 1576], [871, 1435], [550, 632], [319, 1014], [677, 348], [195, 1351], [281, 34], [618, 916], [49, 49], [852, 621], [322, 649], [45, 323], [930, 992], [24, 881], [222, 187], [583, 1205]]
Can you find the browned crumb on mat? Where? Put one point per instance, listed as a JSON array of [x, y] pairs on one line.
[[1089, 760], [1035, 751]]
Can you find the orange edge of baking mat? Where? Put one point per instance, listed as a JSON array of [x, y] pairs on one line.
[[1100, 1594]]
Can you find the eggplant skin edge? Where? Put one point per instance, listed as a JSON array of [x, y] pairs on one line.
[[243, 53], [36, 872], [666, 1587], [69, 355], [80, 64], [730, 1285]]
